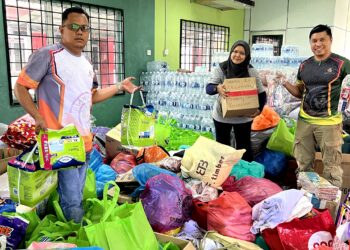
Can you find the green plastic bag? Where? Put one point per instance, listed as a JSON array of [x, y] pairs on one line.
[[169, 246], [51, 229], [244, 168], [120, 227], [90, 185], [95, 209], [282, 138], [137, 125], [61, 148]]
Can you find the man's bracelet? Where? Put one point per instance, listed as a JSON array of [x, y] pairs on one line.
[[119, 86]]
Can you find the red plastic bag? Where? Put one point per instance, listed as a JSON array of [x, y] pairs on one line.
[[151, 154], [20, 133], [272, 239], [230, 215], [200, 212], [123, 162], [302, 234], [253, 189]]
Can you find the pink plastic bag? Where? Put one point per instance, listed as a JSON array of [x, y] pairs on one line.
[[167, 202], [253, 189]]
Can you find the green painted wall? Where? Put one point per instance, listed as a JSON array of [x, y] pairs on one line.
[[139, 36], [184, 9]]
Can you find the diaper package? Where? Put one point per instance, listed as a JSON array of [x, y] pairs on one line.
[[61, 148]]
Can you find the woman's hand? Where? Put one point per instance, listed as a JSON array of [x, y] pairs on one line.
[[221, 90]]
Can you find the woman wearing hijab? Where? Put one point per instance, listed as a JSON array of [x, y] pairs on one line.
[[236, 66]]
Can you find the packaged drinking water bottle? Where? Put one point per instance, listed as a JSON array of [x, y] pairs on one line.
[[344, 95]]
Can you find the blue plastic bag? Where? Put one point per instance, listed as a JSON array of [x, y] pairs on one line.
[[274, 162], [7, 205], [95, 160], [145, 171], [103, 172]]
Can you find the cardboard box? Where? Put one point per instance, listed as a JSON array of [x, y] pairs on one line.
[[318, 167], [183, 244], [243, 97], [113, 144], [332, 206], [7, 154]]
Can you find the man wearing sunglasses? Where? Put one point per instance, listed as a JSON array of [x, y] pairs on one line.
[[66, 87]]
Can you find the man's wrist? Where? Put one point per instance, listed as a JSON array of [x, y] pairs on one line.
[[119, 86]]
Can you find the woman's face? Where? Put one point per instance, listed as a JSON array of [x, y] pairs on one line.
[[238, 55]]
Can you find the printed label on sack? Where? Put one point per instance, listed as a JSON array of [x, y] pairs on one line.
[[45, 151], [4, 230], [321, 238], [203, 165], [217, 168]]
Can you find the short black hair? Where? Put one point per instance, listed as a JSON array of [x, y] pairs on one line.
[[320, 28], [75, 9]]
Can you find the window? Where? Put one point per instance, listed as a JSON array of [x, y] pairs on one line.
[[32, 24], [198, 43], [275, 40]]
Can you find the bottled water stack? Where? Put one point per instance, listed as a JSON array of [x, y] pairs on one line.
[[181, 96], [262, 57]]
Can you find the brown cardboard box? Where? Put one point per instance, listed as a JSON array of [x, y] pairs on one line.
[[183, 244], [113, 144], [6, 154], [318, 167], [243, 97], [332, 206]]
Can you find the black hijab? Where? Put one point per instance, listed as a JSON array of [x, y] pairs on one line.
[[232, 70]]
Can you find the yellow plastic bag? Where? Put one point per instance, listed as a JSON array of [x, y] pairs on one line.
[[210, 161]]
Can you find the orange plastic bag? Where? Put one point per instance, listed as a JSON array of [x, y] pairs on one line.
[[151, 154], [267, 119]]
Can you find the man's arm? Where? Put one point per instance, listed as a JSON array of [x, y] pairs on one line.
[[106, 93], [27, 103], [295, 90]]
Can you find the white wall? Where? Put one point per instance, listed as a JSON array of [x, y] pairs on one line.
[[341, 38], [295, 18]]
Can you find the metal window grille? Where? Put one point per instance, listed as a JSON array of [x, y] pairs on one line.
[[32, 24], [198, 43]]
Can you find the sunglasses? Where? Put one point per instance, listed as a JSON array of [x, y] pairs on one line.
[[75, 27]]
